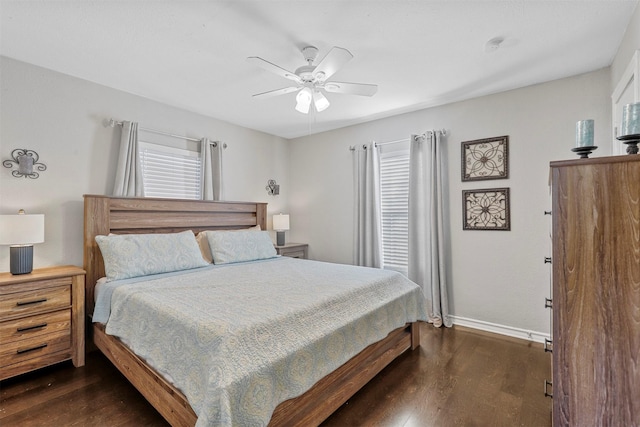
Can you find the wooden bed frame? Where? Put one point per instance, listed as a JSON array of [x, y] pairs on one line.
[[104, 215]]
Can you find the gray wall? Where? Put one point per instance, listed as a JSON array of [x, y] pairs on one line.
[[495, 276], [630, 43], [497, 279], [61, 118]]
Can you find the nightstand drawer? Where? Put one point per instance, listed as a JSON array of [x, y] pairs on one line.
[[33, 326], [36, 347], [300, 253], [34, 301], [41, 319], [293, 250]]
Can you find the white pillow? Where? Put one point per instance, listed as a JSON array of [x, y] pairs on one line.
[[133, 255], [238, 246], [203, 241]]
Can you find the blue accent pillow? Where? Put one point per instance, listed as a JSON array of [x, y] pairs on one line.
[[133, 255], [238, 246]]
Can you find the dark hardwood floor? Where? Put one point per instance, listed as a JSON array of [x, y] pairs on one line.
[[458, 377]]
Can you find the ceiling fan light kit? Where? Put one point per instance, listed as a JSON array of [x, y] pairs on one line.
[[320, 101], [312, 79], [303, 100]]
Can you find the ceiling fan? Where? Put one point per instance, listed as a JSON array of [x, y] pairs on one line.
[[310, 80]]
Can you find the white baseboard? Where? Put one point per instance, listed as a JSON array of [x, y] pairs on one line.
[[500, 329]]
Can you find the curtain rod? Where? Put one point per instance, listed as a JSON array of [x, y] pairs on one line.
[[378, 144], [113, 123], [442, 131]]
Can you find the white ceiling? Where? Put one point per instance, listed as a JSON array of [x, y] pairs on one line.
[[192, 54]]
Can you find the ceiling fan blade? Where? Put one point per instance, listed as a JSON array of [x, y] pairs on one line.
[[335, 59], [274, 68], [276, 92], [351, 88]]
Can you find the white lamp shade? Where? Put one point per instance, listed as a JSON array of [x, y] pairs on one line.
[[21, 229], [303, 100], [320, 101], [281, 222]]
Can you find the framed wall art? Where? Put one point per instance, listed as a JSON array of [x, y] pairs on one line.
[[485, 159], [486, 209]]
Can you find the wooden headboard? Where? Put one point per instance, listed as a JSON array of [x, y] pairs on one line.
[[123, 215]]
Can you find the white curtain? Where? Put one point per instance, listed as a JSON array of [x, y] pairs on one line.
[[211, 155], [128, 182], [426, 230], [367, 217]]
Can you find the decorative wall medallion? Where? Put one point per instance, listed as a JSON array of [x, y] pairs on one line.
[[273, 189], [486, 209], [26, 161], [485, 159]]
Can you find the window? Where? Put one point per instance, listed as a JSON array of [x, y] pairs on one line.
[[170, 172], [394, 200]]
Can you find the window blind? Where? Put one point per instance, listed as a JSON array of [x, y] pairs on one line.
[[394, 199], [170, 172]]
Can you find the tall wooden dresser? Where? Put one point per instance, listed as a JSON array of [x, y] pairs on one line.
[[596, 291]]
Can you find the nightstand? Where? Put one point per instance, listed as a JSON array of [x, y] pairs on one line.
[[41, 319], [294, 250]]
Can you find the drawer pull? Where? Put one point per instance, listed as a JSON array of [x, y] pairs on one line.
[[35, 301], [547, 384], [26, 350], [547, 212], [548, 303], [547, 260], [29, 328], [548, 345]]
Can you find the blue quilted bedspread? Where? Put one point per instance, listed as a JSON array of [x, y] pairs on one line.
[[238, 340]]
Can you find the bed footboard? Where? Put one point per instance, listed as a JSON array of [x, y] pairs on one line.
[[309, 409]]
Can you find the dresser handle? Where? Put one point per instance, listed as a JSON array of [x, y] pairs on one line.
[[547, 384], [21, 303], [26, 350], [548, 345], [547, 260], [547, 212], [28, 328], [548, 303]]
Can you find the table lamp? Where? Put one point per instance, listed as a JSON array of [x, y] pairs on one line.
[[20, 232], [280, 224]]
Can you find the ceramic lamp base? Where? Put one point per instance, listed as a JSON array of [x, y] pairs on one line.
[[21, 259], [279, 238]]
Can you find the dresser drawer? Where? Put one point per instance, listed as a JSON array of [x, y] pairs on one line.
[[36, 347], [33, 326], [34, 300]]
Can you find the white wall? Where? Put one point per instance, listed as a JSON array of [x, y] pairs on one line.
[[495, 276], [61, 118]]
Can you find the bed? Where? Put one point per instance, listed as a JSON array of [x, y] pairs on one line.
[[123, 216]]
